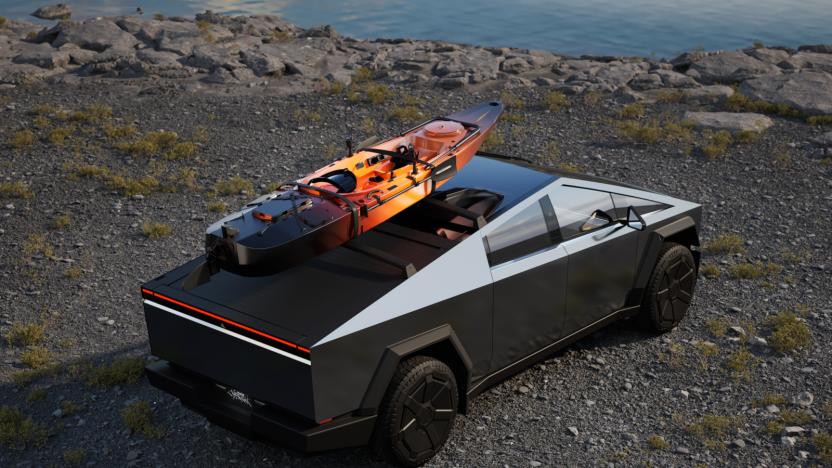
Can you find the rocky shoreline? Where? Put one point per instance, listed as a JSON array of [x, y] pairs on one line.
[[112, 169], [266, 52]]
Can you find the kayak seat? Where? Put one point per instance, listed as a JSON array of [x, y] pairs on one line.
[[343, 180]]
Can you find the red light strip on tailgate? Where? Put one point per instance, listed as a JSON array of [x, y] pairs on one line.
[[225, 320]]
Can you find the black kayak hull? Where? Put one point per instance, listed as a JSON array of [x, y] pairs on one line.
[[302, 226]]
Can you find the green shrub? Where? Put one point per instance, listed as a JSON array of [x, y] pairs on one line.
[[218, 206], [633, 111], [511, 100], [36, 357], [657, 442], [18, 430], [754, 270], [181, 150], [22, 139], [725, 244], [819, 120], [234, 186], [742, 363], [138, 417], [555, 101], [61, 221], [718, 144], [709, 270], [155, 230], [823, 446], [378, 93], [25, 334], [15, 190], [75, 457], [121, 371], [788, 333], [407, 114]]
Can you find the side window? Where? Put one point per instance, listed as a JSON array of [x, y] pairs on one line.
[[529, 231], [574, 206], [642, 206]]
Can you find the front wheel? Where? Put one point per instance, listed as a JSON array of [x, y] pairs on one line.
[[417, 412], [670, 289]]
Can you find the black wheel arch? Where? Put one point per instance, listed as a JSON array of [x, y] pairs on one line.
[[682, 231], [440, 343]]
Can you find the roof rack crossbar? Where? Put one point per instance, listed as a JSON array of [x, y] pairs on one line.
[[406, 267]]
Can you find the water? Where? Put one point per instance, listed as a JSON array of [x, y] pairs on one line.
[[662, 28]]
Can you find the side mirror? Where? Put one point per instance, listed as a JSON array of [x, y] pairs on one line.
[[634, 220], [598, 219]]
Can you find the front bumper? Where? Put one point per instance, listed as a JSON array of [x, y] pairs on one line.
[[259, 422]]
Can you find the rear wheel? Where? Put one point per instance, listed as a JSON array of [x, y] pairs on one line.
[[417, 413], [670, 289]]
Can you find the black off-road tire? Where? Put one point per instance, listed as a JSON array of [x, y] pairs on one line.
[[670, 289], [417, 413]]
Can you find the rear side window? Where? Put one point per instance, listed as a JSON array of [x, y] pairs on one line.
[[641, 205], [529, 231], [574, 206]]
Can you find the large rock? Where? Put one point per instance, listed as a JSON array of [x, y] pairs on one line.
[[772, 56], [262, 64], [42, 55], [807, 91], [809, 60], [731, 121], [22, 73], [212, 56], [301, 56], [98, 35], [699, 95], [729, 67], [53, 12], [819, 48], [472, 66]]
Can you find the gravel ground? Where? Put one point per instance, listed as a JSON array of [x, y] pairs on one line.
[[597, 403]]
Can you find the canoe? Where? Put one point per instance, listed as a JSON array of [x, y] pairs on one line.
[[348, 197]]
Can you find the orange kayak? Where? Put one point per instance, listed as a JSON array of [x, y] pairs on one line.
[[392, 175], [348, 197]]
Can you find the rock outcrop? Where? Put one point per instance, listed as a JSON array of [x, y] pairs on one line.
[[730, 121], [224, 49], [810, 92]]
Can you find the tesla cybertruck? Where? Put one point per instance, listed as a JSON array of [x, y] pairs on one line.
[[383, 339]]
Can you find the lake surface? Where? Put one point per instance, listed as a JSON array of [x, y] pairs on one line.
[[662, 28]]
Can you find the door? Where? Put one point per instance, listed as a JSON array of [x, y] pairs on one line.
[[602, 256], [528, 268]]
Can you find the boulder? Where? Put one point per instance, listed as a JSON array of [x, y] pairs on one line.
[[808, 91], [515, 65], [42, 55], [53, 12], [474, 65], [320, 31], [672, 79], [22, 73], [98, 35], [819, 48], [262, 64], [212, 56], [729, 67], [180, 45], [301, 57], [731, 121], [699, 95], [645, 81], [808, 60], [773, 56], [159, 58]]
